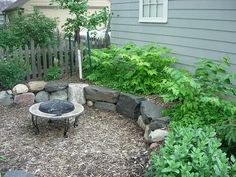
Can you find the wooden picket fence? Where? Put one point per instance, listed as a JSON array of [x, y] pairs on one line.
[[96, 43], [43, 58]]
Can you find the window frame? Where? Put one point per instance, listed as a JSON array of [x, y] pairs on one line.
[[163, 19]]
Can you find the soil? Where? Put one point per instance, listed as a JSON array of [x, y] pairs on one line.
[[105, 144]]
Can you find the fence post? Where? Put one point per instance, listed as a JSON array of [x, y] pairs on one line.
[[80, 64]]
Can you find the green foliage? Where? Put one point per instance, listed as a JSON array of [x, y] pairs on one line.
[[80, 16], [53, 73], [191, 152], [202, 98], [131, 68], [22, 29], [12, 72]]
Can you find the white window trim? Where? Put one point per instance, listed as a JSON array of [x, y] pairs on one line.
[[153, 19]]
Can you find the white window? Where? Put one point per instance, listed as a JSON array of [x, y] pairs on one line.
[[153, 11]]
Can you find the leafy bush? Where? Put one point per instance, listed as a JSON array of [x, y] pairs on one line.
[[191, 152], [53, 73], [201, 98], [22, 29], [12, 72], [131, 68]]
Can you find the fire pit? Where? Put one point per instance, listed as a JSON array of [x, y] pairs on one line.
[[56, 110]]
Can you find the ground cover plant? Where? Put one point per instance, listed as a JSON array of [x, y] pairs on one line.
[[192, 152], [21, 29], [201, 98], [130, 68]]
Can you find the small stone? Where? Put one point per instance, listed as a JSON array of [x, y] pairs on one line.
[[59, 95], [25, 99], [9, 92], [158, 135], [42, 96], [5, 98], [89, 103], [35, 86], [105, 106], [20, 88], [153, 145], [141, 123]]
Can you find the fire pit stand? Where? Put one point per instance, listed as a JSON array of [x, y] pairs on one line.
[[36, 114]]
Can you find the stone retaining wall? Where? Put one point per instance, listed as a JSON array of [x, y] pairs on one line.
[[147, 114]]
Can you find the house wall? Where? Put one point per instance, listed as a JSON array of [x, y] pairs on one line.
[[54, 11], [195, 29]]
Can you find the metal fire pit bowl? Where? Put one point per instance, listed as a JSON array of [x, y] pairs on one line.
[[56, 110]]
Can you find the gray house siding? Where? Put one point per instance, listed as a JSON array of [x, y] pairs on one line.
[[195, 29]]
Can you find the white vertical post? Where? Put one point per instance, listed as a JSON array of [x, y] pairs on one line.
[[80, 64]]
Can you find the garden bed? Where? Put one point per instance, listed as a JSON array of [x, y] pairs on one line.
[[104, 144]]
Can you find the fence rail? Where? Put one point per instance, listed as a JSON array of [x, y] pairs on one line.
[[42, 58], [64, 55]]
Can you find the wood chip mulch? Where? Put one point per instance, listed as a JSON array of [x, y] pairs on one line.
[[105, 144]]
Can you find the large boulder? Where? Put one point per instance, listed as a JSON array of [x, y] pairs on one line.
[[36, 86], [24, 99], [54, 86], [59, 95], [105, 106], [154, 136], [42, 96], [19, 89], [18, 173], [76, 93], [129, 105], [150, 111], [97, 93], [5, 98]]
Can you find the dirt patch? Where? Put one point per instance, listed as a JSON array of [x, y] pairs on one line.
[[104, 144]]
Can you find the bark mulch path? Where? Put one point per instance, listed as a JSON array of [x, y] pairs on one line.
[[104, 144]]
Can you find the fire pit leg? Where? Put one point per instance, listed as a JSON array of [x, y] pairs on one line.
[[76, 121], [35, 124], [67, 124]]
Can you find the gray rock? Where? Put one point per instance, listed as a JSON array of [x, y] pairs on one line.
[[20, 88], [76, 93], [150, 111], [59, 95], [42, 96], [18, 173], [141, 123], [54, 86], [35, 86], [129, 105], [105, 106], [96, 93], [24, 99], [5, 98], [154, 136], [154, 125], [89, 103]]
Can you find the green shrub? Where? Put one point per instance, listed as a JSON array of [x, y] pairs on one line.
[[22, 29], [201, 98], [191, 152], [53, 73], [131, 68], [12, 72]]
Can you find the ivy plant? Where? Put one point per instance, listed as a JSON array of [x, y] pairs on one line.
[[130, 68]]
